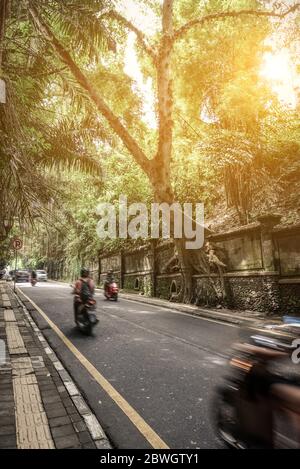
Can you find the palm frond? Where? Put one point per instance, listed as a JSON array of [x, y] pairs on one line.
[[69, 17]]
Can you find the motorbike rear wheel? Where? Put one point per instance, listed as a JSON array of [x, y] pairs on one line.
[[226, 419], [84, 327], [82, 320]]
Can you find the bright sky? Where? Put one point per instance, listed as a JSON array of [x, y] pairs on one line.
[[140, 15], [143, 86], [147, 22], [278, 69]]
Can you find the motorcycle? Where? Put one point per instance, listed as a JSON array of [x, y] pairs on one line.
[[111, 291], [33, 281], [85, 319], [258, 406]]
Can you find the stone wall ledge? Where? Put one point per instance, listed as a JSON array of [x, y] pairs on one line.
[[293, 280], [254, 226], [287, 229], [138, 272], [115, 272], [168, 275], [244, 273]]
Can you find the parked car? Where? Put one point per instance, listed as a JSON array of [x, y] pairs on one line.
[[41, 276], [22, 276]]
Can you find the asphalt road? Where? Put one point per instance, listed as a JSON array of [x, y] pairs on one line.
[[165, 364]]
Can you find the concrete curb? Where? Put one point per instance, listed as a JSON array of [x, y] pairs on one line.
[[95, 429]]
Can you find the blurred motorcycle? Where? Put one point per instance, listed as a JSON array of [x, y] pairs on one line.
[[85, 319], [258, 405], [111, 291]]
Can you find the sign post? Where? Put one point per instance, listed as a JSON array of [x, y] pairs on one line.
[[16, 245]]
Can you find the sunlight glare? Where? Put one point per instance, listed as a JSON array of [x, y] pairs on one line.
[[143, 18], [143, 86], [278, 69]]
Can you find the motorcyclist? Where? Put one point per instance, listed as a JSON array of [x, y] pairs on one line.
[[83, 290], [33, 277], [33, 274], [109, 279]]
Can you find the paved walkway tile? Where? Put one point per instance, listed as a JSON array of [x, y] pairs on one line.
[[14, 339]]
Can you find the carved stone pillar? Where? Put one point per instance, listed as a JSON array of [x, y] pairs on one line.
[[267, 223]]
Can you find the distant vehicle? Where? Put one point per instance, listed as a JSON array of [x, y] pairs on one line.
[[2, 273], [41, 276], [111, 291], [22, 276]]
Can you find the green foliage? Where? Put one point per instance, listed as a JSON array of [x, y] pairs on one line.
[[232, 141]]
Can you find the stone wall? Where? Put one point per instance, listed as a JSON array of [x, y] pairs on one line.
[[255, 292], [288, 245], [242, 251], [166, 285], [290, 296], [262, 270], [140, 283], [138, 261]]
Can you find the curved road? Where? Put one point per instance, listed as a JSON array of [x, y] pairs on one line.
[[165, 364]]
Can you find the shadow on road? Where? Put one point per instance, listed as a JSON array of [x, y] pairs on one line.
[[74, 333]]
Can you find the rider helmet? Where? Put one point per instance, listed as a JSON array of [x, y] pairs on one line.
[[84, 272]]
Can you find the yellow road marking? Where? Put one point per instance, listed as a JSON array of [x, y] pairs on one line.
[[150, 435]]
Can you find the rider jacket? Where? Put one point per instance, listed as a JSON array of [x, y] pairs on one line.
[[78, 287]]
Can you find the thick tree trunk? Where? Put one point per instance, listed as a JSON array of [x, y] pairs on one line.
[[163, 157], [163, 193]]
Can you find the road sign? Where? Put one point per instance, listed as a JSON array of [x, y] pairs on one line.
[[17, 244]]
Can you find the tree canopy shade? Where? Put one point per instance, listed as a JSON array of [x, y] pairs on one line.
[[218, 123], [39, 124]]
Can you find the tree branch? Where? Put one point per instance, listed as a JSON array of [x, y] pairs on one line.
[[142, 39], [230, 14], [115, 123]]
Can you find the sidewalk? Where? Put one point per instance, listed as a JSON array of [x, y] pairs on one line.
[[40, 406], [223, 314]]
